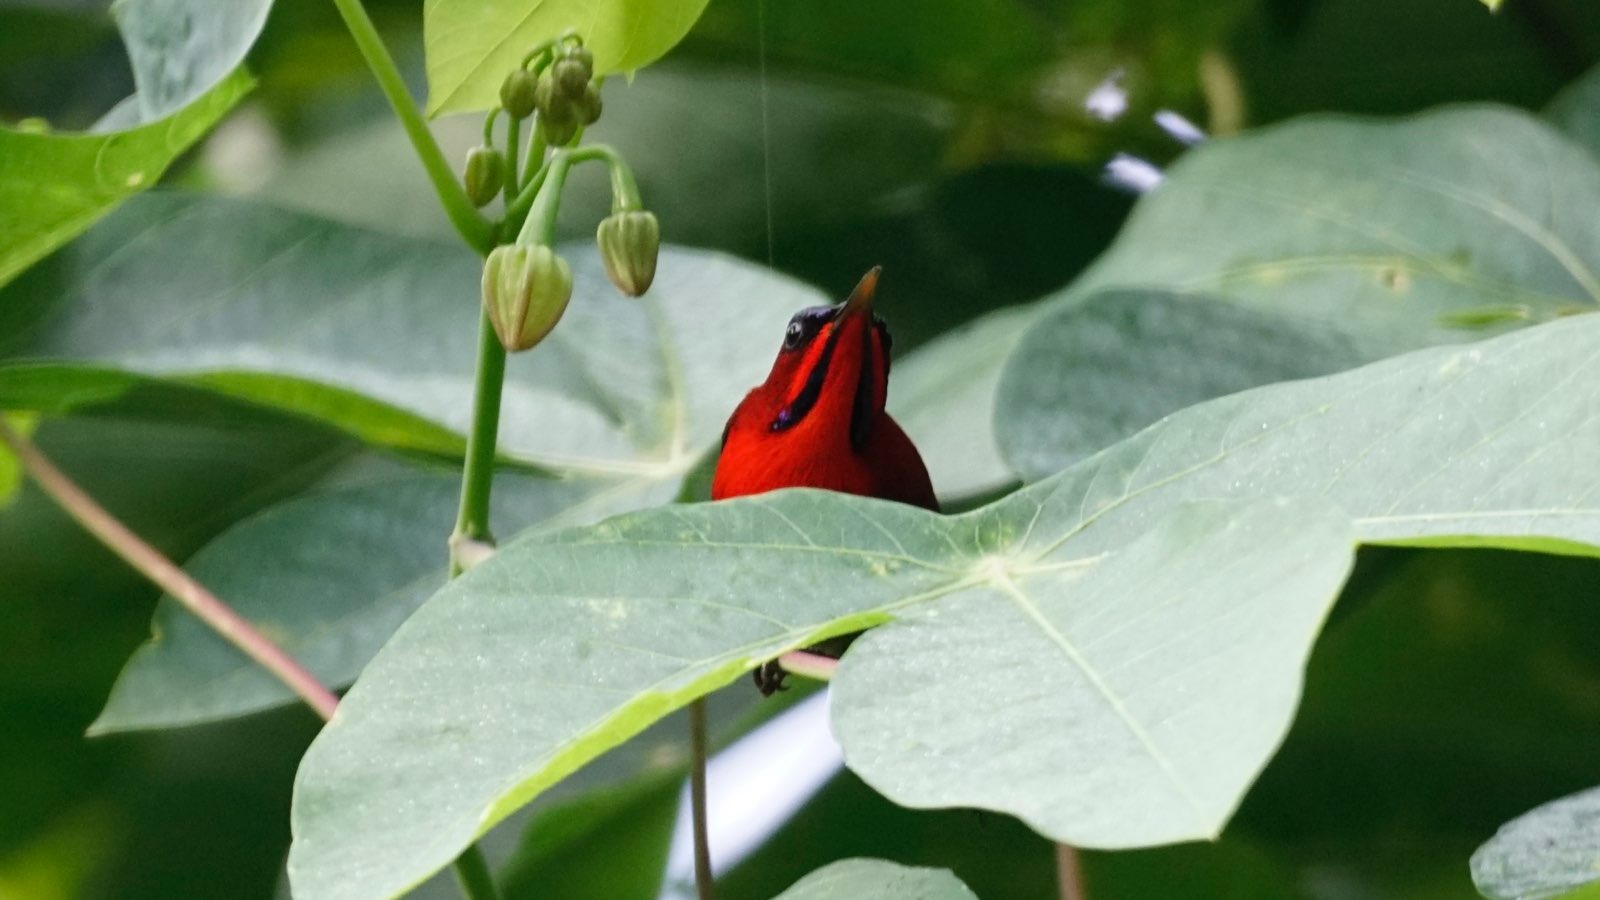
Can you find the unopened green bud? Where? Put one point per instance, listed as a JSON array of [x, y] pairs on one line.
[[629, 242], [485, 174], [525, 290], [558, 133], [554, 105], [518, 93], [589, 106], [580, 55], [571, 76]]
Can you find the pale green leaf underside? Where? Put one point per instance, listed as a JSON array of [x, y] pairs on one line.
[[1304, 249], [1380, 229], [472, 44], [179, 49], [1088, 375], [566, 644], [54, 186], [1551, 851], [857, 879]]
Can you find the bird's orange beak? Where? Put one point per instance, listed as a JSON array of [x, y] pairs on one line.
[[860, 299]]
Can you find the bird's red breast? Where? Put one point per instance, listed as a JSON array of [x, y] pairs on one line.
[[818, 420]]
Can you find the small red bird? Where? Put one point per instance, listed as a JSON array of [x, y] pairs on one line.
[[818, 420]]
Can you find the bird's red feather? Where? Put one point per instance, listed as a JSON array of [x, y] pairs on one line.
[[818, 450]]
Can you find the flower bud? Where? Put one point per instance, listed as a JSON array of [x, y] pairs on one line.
[[571, 76], [517, 93], [589, 105], [554, 105], [525, 290], [558, 133], [580, 55], [629, 242], [485, 174]]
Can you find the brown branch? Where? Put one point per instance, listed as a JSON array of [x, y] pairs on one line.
[[149, 562], [703, 880], [1069, 873]]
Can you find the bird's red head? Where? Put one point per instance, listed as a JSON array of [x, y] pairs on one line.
[[819, 420]]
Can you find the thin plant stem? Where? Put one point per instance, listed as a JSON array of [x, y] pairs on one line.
[[543, 193], [477, 474], [478, 471], [150, 563], [536, 151], [472, 873], [1069, 873], [474, 229], [513, 142], [704, 884]]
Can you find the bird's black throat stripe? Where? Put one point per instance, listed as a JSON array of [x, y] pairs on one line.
[[861, 411], [790, 415]]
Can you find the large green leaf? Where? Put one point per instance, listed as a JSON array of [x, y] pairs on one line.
[[1390, 231], [852, 879], [580, 640], [1085, 376], [1333, 241], [1479, 444], [473, 45], [377, 335], [54, 186], [623, 622], [187, 58], [1163, 726], [1551, 851]]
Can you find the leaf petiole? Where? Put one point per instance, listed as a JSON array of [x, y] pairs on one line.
[[474, 229]]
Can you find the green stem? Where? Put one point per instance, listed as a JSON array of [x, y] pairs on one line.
[[541, 198], [513, 138], [540, 227], [472, 873], [704, 882], [474, 229], [477, 476], [517, 210], [536, 150]]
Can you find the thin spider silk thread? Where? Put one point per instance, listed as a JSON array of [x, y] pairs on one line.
[[766, 123]]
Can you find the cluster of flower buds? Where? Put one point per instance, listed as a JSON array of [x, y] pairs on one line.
[[525, 291], [526, 285], [564, 94]]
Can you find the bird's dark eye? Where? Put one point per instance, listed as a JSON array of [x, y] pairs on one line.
[[805, 325]]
